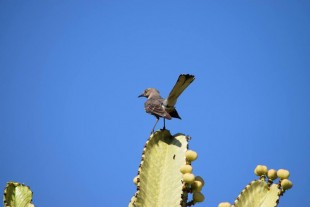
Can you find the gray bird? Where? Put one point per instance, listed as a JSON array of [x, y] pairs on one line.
[[164, 108]]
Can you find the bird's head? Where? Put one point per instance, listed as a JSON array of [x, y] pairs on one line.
[[149, 92]]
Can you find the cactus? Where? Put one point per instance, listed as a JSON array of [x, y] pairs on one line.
[[165, 174], [165, 177], [17, 195], [263, 192]]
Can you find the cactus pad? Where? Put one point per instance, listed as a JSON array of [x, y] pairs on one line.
[[160, 180], [258, 194], [17, 195]]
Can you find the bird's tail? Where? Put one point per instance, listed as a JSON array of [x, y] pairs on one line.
[[182, 83]]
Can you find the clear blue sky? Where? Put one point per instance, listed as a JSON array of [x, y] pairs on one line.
[[72, 127]]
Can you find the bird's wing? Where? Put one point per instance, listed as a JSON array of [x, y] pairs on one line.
[[182, 83], [155, 107]]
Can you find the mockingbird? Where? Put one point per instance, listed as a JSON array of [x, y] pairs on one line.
[[164, 108]]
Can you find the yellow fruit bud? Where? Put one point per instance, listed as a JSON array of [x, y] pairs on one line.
[[272, 174], [260, 170], [188, 178], [286, 184], [196, 186], [198, 197], [135, 180], [186, 169], [224, 204], [283, 174], [191, 155], [198, 178]]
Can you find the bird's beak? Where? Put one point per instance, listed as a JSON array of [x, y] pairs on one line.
[[142, 95]]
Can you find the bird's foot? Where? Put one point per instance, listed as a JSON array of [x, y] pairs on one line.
[[164, 129]]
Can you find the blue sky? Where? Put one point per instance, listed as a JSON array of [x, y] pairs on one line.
[[73, 129]]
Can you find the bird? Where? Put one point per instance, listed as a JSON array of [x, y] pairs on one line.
[[165, 108]]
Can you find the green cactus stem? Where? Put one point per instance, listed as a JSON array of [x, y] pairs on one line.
[[160, 181], [17, 195], [263, 192], [258, 194]]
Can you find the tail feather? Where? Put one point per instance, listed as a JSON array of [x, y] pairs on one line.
[[182, 83], [175, 114]]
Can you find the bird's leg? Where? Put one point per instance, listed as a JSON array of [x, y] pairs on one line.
[[157, 119], [164, 124]]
